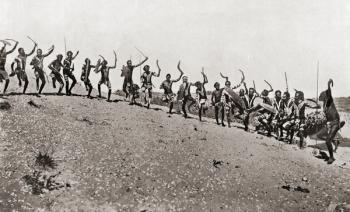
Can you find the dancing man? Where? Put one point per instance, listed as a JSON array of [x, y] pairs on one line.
[[147, 85], [104, 69], [167, 84], [20, 61], [68, 68], [3, 56], [38, 66], [55, 67]]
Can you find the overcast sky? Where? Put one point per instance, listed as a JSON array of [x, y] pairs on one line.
[[263, 38]]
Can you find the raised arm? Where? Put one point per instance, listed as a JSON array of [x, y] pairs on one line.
[[158, 74], [50, 51], [76, 54], [30, 53], [330, 84], [242, 80], [271, 89], [115, 61], [205, 78], [245, 88], [181, 72], [13, 49], [226, 78], [142, 62]]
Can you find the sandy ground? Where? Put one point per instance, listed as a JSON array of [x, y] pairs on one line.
[[116, 157]]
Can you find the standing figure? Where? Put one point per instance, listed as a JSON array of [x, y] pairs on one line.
[[201, 95], [333, 118], [55, 67], [104, 69], [184, 95], [167, 84], [147, 85], [3, 56], [68, 68], [20, 70], [38, 66], [216, 102], [86, 73], [127, 72]]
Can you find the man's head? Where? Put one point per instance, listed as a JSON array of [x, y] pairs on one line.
[[104, 63], [59, 57], [129, 63], [69, 54], [21, 51], [146, 68], [264, 93], [299, 96], [39, 52], [217, 86], [286, 96], [185, 79], [241, 92], [87, 60], [198, 84], [251, 91], [228, 84], [168, 77], [278, 94]]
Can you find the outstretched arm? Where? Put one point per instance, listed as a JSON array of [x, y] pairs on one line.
[[50, 51], [76, 54], [30, 53], [13, 49], [142, 62], [158, 74], [181, 72], [205, 78], [115, 61]]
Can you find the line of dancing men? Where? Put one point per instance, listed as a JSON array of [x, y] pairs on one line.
[[279, 114]]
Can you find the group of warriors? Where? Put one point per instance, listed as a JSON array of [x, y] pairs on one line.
[[283, 116]]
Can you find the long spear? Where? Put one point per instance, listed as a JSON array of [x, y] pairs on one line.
[[65, 46], [285, 76], [318, 67]]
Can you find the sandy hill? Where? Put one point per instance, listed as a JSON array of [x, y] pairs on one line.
[[70, 153]]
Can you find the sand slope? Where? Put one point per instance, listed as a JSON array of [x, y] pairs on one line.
[[116, 157]]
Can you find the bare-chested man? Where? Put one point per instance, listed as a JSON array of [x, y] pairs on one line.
[[55, 67], [201, 95], [20, 61], [332, 116], [104, 69], [85, 74], [38, 66], [216, 102], [3, 56], [146, 83], [68, 68], [127, 72], [169, 95]]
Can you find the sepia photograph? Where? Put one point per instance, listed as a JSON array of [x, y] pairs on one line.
[[174, 106]]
